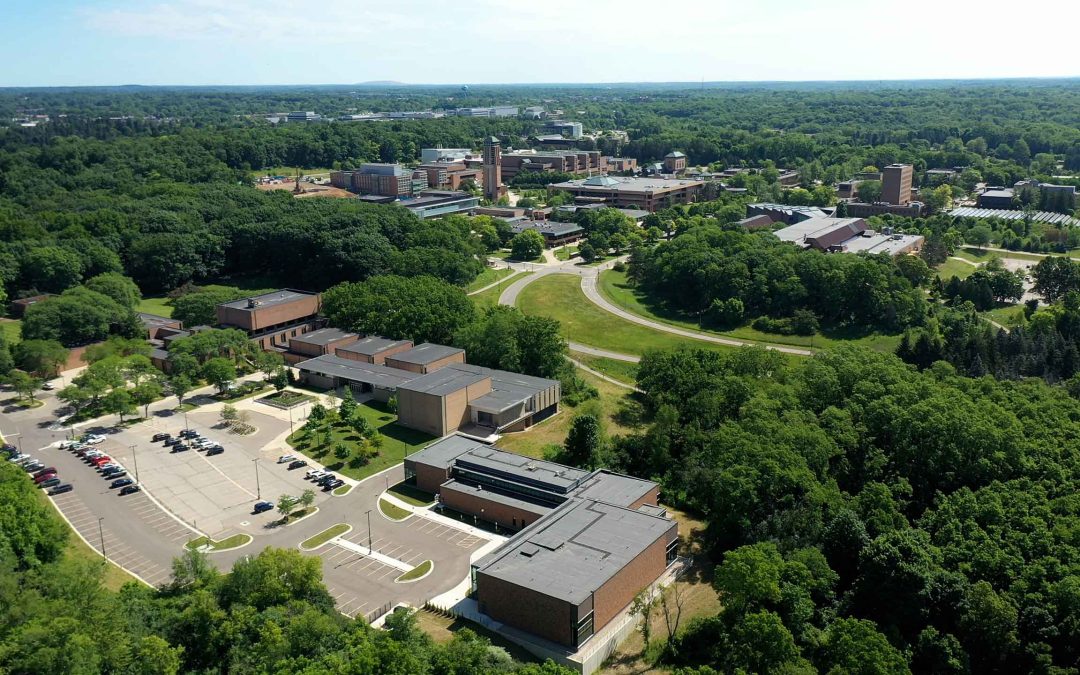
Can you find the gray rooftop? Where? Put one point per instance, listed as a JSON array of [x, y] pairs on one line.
[[495, 496], [425, 353], [323, 336], [444, 451], [613, 488], [575, 549], [815, 227], [628, 184], [443, 381], [558, 479], [268, 299], [370, 346], [356, 371], [155, 320], [551, 228]]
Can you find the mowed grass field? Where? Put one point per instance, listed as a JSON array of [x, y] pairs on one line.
[[489, 276], [11, 329], [954, 268], [559, 296], [615, 287], [156, 306]]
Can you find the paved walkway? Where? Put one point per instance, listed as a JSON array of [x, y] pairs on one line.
[[496, 283], [597, 373]]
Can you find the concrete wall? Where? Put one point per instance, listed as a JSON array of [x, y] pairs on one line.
[[526, 609], [316, 380], [620, 590]]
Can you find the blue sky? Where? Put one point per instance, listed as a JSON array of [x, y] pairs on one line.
[[191, 42]]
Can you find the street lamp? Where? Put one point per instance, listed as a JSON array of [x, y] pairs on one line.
[[369, 531], [186, 428], [258, 490], [135, 458], [101, 534]]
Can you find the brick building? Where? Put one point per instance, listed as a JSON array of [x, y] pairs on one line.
[[587, 541], [566, 161], [273, 318], [649, 194], [896, 184], [493, 185], [674, 162]]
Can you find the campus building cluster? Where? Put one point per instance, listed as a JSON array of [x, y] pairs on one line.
[[586, 542]]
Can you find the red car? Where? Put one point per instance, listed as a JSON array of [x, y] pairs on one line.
[[38, 480], [98, 461], [42, 472]]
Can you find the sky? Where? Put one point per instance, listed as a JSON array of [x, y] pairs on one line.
[[264, 42]]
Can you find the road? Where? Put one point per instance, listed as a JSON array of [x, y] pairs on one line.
[[141, 535]]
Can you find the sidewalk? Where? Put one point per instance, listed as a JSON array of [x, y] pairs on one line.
[[426, 512]]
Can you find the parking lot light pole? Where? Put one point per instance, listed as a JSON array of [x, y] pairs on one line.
[[101, 534], [258, 490], [186, 427], [369, 531], [135, 459]]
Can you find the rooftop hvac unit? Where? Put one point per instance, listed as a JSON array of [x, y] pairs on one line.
[[252, 302]]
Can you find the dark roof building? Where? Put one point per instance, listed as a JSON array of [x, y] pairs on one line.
[[373, 349], [554, 232]]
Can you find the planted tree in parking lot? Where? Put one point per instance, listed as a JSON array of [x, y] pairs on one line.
[[285, 506], [229, 416], [145, 393], [25, 385], [219, 372], [180, 386], [119, 401], [307, 499]]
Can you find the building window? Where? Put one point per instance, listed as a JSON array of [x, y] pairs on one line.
[[583, 630], [672, 550]]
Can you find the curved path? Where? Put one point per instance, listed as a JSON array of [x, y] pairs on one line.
[[598, 374]]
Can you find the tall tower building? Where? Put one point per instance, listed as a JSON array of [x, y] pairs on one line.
[[493, 187], [896, 184]]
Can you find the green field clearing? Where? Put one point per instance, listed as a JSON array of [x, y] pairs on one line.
[[1009, 316], [559, 296], [490, 297], [11, 330], [287, 171], [954, 268], [980, 255], [489, 276], [623, 371], [613, 285], [159, 306]]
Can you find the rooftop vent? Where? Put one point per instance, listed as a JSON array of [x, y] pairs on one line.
[[252, 302]]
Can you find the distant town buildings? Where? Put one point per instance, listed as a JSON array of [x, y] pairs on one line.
[[560, 161], [896, 184], [782, 213], [431, 155], [301, 116], [674, 162], [996, 198], [388, 180], [571, 130], [622, 164], [554, 233], [847, 235]]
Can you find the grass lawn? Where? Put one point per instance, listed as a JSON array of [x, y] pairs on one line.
[[1009, 316], [624, 371], [159, 306], [392, 511], [613, 285], [342, 490], [490, 297], [397, 442], [489, 276], [325, 536], [566, 252], [442, 628], [240, 393], [954, 268], [287, 171], [287, 399], [978, 255], [407, 492], [559, 296], [11, 330], [416, 572], [221, 544], [618, 410]]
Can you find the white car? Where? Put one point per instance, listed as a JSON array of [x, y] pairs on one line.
[[204, 443], [314, 473], [285, 458], [94, 439], [19, 458]]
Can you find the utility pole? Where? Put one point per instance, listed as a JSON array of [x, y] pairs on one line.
[[186, 427], [135, 459], [258, 490], [369, 531], [101, 534]]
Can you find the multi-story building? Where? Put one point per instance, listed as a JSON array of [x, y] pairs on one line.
[[271, 319], [435, 203], [553, 232], [674, 162], [559, 161], [493, 186], [388, 180], [622, 164], [784, 213], [494, 111], [302, 116], [572, 130], [431, 155], [587, 542], [649, 194], [450, 175], [996, 198], [848, 235], [896, 184]]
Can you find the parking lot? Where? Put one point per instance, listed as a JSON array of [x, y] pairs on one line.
[[215, 494]]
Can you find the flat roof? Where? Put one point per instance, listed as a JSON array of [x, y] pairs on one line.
[[443, 381], [629, 184], [323, 336], [356, 371], [444, 451], [425, 353], [559, 479], [547, 227], [614, 488], [881, 243], [575, 549], [1004, 193], [269, 299], [156, 320], [370, 346], [497, 496], [814, 227]]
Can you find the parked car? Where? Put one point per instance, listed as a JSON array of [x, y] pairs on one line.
[[285, 458], [129, 489], [171, 441], [326, 479], [94, 439], [215, 450], [33, 466], [313, 474], [120, 482], [117, 473], [44, 477], [260, 507], [297, 464], [337, 482], [188, 433], [180, 447], [61, 489], [48, 469], [98, 462], [18, 458], [51, 482], [48, 386], [109, 466], [160, 437]]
